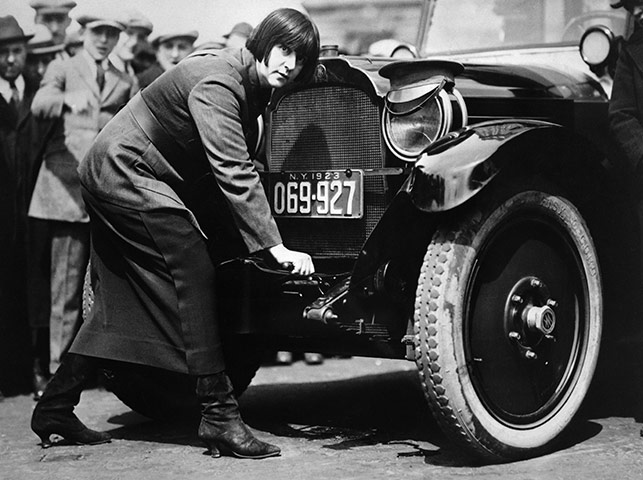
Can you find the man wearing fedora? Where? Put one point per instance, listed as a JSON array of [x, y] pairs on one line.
[[625, 108], [85, 91], [18, 149]]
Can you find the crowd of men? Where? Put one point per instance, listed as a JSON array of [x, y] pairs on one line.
[[57, 91]]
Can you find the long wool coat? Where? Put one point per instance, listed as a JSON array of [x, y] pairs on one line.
[[154, 277], [19, 153], [626, 105]]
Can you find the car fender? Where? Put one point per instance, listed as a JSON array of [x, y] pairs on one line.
[[455, 170], [459, 166]]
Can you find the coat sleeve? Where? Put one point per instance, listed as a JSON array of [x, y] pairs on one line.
[[215, 104], [624, 111], [50, 97]]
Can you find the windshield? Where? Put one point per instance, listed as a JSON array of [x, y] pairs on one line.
[[356, 25], [470, 25]]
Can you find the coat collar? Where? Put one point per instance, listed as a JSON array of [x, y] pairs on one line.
[[82, 61], [31, 85]]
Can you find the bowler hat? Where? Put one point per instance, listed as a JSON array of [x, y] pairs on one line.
[[52, 6], [242, 28], [43, 42], [91, 21], [10, 31]]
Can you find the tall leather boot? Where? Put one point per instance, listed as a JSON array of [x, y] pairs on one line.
[[222, 428], [54, 412]]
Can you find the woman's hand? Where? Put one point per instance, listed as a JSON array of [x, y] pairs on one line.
[[301, 262]]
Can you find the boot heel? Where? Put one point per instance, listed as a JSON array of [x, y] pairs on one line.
[[212, 450], [45, 440]]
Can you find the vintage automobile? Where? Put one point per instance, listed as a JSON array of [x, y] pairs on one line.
[[459, 207]]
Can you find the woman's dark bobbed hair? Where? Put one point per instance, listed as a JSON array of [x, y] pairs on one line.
[[289, 28]]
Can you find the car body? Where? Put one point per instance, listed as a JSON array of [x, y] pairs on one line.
[[459, 210]]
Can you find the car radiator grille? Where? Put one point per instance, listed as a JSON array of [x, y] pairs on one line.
[[323, 128]]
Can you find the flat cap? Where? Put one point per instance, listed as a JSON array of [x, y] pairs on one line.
[[242, 28], [42, 42], [92, 21], [191, 34], [136, 19], [52, 6]]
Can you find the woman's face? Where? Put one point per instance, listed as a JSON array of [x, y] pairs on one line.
[[282, 67]]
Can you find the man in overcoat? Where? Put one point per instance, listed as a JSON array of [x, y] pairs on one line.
[[626, 107], [85, 91], [18, 146]]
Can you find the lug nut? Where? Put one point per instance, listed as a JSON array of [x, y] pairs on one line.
[[514, 336], [535, 283], [529, 355], [516, 299], [552, 303]]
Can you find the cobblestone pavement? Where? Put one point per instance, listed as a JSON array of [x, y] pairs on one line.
[[356, 418]]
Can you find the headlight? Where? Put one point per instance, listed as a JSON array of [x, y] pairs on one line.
[[422, 105], [413, 120], [597, 45]]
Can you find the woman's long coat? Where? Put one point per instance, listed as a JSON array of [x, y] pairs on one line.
[[154, 278]]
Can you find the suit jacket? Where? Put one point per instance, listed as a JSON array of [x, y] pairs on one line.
[[626, 103], [20, 147], [56, 194]]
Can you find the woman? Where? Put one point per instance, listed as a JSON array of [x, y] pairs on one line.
[[153, 274]]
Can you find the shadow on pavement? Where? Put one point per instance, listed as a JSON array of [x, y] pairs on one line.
[[382, 409]]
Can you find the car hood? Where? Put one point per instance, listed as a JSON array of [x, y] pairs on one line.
[[478, 79]]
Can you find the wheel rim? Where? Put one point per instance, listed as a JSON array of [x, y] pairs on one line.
[[527, 319]]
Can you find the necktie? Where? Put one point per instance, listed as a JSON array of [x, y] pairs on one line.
[[15, 100], [100, 75]]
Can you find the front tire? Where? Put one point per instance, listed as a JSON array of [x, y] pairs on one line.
[[508, 319]]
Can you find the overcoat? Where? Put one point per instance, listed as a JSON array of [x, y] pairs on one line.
[[56, 194], [626, 105], [19, 152], [153, 275]]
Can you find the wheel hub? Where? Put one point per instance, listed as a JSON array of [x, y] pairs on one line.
[[530, 315], [541, 319]]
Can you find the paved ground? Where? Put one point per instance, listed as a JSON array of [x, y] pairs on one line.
[[346, 419]]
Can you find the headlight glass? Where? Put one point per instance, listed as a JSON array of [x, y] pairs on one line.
[[410, 127], [596, 45]]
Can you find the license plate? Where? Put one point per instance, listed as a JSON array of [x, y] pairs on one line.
[[318, 194]]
